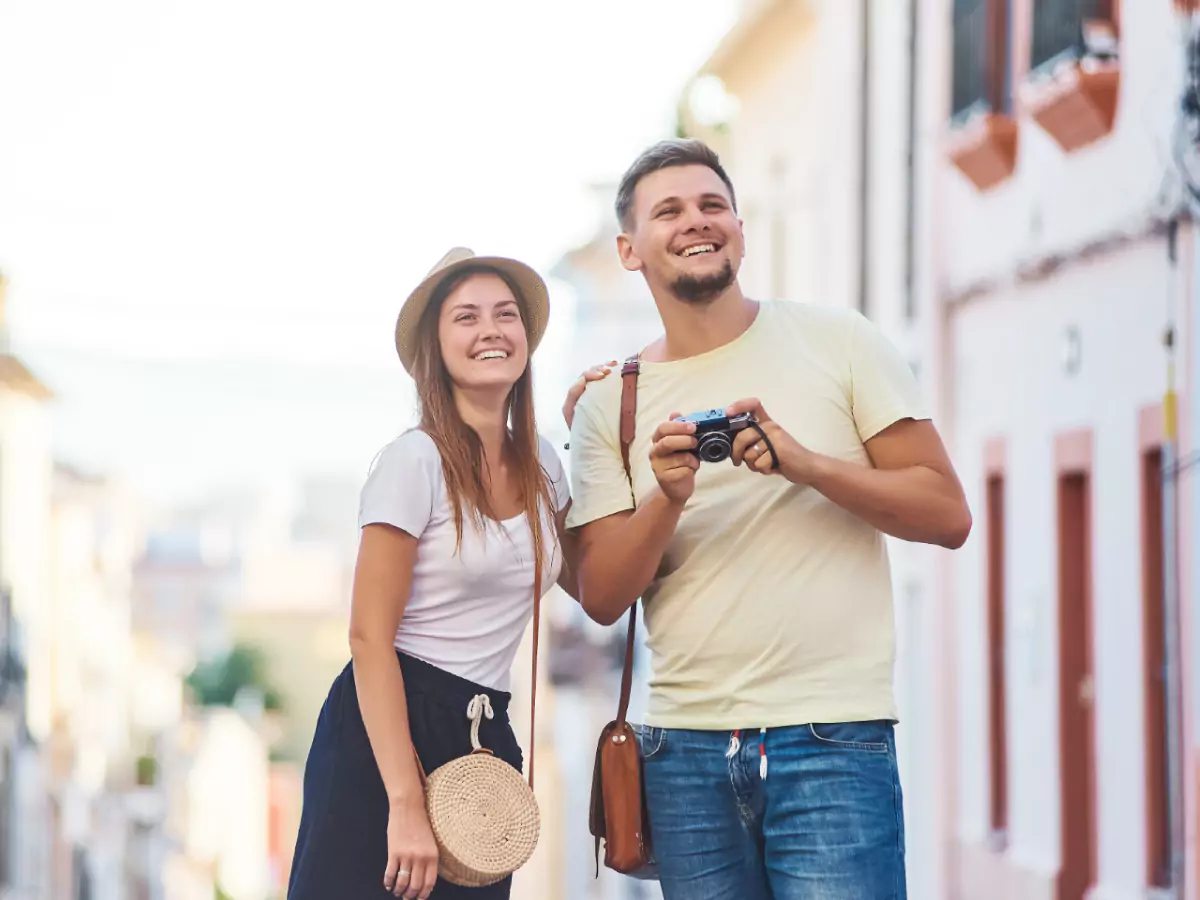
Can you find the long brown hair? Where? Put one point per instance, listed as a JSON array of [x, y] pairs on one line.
[[463, 462]]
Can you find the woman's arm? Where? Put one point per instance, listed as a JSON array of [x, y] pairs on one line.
[[382, 580]]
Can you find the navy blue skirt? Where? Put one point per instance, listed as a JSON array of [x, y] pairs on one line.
[[341, 848]]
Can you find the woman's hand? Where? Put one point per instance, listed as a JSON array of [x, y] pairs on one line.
[[412, 864], [595, 373]]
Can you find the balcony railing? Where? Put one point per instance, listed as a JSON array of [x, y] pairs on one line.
[[980, 57], [1059, 29]]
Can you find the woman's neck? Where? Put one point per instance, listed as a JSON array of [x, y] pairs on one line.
[[487, 413]]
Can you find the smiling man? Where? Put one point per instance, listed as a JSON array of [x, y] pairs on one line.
[[770, 763]]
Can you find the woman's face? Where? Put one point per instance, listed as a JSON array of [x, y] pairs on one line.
[[482, 335]]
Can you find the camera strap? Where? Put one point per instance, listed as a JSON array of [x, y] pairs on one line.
[[766, 440]]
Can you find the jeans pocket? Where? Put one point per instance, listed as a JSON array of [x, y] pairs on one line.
[[874, 736], [651, 740]]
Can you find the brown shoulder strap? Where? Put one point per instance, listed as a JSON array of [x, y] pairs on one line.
[[629, 375]]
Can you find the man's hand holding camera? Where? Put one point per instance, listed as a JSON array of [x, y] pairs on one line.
[[742, 432], [673, 459], [793, 461]]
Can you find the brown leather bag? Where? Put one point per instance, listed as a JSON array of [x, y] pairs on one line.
[[618, 808]]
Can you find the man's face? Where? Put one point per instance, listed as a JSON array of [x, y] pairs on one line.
[[684, 234]]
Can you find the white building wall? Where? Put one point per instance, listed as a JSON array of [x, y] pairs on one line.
[[1010, 382], [1005, 378]]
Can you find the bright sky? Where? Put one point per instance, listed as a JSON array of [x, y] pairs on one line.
[[210, 212]]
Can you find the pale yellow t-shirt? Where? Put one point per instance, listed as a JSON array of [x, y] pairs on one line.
[[772, 605]]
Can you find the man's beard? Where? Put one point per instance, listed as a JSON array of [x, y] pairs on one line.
[[702, 290]]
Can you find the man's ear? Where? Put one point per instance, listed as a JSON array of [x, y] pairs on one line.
[[630, 260]]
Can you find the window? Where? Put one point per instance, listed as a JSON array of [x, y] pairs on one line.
[[1072, 28], [981, 70]]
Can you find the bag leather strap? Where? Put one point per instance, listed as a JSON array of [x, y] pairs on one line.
[[629, 375], [537, 616]]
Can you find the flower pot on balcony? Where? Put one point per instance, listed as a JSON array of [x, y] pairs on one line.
[[984, 149]]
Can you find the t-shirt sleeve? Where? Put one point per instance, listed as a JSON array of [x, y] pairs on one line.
[[599, 486], [884, 389], [400, 489], [554, 470]]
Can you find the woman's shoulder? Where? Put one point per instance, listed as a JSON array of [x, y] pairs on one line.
[[413, 448]]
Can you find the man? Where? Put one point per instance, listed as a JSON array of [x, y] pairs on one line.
[[770, 764]]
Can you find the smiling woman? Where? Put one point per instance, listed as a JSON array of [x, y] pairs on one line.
[[461, 536], [479, 322]]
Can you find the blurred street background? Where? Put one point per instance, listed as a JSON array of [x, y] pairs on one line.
[[210, 214]]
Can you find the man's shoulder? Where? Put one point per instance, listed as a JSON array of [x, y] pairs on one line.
[[813, 314], [601, 402]]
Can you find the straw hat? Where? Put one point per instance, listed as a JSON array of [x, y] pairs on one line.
[[533, 297]]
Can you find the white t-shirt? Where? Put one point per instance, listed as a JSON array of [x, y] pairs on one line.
[[467, 610]]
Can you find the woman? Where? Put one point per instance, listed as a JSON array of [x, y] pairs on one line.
[[452, 517]]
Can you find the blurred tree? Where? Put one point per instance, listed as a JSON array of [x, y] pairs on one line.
[[217, 682]]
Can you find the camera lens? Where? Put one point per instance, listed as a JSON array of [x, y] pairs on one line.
[[714, 447]]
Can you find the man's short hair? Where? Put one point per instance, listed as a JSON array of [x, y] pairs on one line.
[[664, 155]]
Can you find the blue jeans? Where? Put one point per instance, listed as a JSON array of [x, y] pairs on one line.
[[826, 823]]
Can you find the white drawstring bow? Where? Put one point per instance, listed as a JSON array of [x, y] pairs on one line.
[[480, 706]]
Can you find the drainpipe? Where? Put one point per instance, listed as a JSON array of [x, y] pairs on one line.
[[1172, 674], [910, 173], [864, 162]]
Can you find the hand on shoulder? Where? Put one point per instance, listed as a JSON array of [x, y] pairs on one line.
[[595, 373]]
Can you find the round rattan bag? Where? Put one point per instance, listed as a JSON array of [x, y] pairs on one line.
[[483, 814]]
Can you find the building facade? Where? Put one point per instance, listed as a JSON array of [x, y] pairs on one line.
[[1062, 281]]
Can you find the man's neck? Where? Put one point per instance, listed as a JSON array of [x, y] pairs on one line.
[[485, 412], [692, 329]]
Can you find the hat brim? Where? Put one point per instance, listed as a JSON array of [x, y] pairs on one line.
[[534, 299]]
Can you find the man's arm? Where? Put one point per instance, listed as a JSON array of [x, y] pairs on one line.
[[910, 491], [620, 554], [619, 549]]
